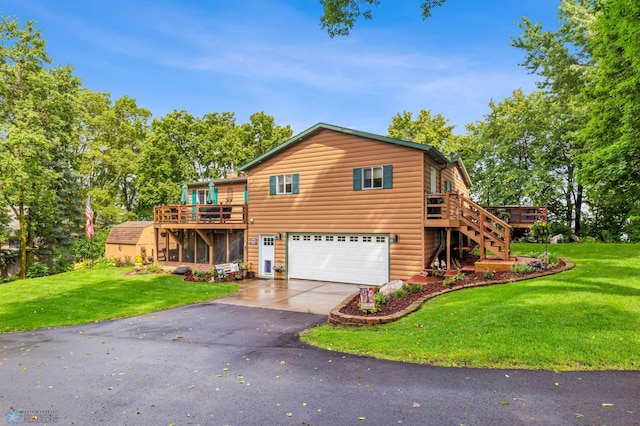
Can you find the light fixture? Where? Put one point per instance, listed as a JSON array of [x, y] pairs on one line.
[[394, 238], [250, 220]]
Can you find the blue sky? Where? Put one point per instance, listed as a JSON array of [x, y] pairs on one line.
[[245, 56]]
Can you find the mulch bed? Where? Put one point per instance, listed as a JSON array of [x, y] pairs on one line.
[[434, 285]]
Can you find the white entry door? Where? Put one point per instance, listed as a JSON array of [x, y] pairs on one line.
[[347, 258], [266, 256]]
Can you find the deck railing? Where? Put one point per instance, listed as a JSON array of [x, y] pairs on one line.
[[520, 215], [201, 213], [489, 231]]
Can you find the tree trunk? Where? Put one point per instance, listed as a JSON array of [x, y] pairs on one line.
[[577, 224], [23, 242]]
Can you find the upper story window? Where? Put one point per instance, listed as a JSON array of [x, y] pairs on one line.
[[201, 196], [284, 184], [375, 177]]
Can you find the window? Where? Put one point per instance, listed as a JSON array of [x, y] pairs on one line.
[[317, 238], [284, 184], [372, 177], [381, 239], [296, 238], [366, 239], [353, 239], [328, 238], [448, 186], [433, 179], [342, 238], [375, 177], [306, 238]]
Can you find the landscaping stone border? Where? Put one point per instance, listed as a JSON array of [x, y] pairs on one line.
[[338, 318]]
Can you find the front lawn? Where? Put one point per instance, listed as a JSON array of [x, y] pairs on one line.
[[96, 294], [587, 318]]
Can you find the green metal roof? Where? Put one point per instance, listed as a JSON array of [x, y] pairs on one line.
[[432, 152]]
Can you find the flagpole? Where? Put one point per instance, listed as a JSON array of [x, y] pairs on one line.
[[88, 229]]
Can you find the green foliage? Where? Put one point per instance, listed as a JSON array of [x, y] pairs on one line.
[[340, 16], [487, 275], [612, 155], [85, 248], [201, 276], [521, 268], [37, 269], [540, 230], [448, 281], [425, 129], [154, 268], [414, 288], [400, 294]]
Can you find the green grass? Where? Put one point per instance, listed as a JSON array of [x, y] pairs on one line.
[[94, 295], [587, 318]]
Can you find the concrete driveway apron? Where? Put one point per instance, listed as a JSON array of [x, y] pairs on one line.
[[317, 297]]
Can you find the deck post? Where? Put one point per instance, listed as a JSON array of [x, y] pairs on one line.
[[483, 253], [448, 249]]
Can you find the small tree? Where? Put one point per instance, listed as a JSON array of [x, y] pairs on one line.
[[540, 231]]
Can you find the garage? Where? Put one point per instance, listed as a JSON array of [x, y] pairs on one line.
[[348, 258]]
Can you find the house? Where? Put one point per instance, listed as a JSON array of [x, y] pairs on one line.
[[334, 204], [130, 239]]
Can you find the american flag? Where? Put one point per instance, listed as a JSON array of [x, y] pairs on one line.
[[88, 228]]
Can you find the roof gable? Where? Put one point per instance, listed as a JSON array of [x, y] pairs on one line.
[[432, 152]]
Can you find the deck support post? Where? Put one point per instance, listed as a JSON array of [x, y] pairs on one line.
[[448, 249]]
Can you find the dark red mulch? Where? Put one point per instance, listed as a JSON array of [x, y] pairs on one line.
[[396, 305]]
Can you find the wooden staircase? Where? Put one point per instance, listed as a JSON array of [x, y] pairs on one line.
[[490, 232]]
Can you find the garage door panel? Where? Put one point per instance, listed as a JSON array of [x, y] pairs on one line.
[[358, 259]]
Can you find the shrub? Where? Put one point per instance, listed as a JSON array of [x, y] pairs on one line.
[[154, 268], [400, 294], [126, 262], [201, 276], [448, 282], [487, 274], [414, 288], [37, 269], [521, 268], [61, 265], [9, 279]]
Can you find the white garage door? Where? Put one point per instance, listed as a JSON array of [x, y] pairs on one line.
[[348, 258]]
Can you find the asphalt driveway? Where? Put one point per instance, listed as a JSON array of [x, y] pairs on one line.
[[221, 364]]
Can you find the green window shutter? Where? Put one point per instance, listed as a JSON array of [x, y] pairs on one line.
[[246, 194], [357, 179], [215, 195], [272, 185], [194, 197], [387, 176], [295, 183]]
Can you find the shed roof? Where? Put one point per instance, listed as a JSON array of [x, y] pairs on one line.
[[128, 232], [432, 152]]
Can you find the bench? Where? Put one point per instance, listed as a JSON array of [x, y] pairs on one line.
[[228, 269]]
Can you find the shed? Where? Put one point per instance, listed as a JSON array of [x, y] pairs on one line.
[[131, 239]]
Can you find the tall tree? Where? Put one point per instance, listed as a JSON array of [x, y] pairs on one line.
[[503, 153], [425, 129], [612, 158], [37, 105], [112, 136], [563, 59], [340, 16]]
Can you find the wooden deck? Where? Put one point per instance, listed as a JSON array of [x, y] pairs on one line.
[[520, 216], [187, 215]]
